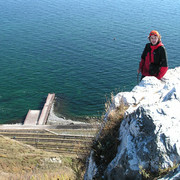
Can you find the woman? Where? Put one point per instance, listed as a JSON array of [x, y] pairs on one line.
[[154, 57]]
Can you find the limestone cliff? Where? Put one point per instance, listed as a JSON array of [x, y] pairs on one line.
[[149, 133]]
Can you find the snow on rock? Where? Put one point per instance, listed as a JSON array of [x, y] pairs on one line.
[[149, 134]]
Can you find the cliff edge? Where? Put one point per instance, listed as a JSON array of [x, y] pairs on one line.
[[149, 133]]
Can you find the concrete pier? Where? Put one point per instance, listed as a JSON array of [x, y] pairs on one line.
[[38, 117], [32, 117], [46, 109]]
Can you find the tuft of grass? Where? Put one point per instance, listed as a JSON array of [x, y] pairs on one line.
[[149, 175], [109, 101], [117, 113], [105, 148], [144, 173], [163, 172], [78, 166]]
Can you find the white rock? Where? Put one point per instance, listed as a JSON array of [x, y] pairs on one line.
[[149, 134]]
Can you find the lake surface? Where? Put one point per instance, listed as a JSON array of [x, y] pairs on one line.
[[81, 50]]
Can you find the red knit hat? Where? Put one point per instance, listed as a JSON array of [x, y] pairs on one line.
[[155, 33]]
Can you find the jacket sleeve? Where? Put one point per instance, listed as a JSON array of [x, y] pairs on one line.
[[164, 64], [162, 72]]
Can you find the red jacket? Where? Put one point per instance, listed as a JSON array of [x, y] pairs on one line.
[[155, 55]]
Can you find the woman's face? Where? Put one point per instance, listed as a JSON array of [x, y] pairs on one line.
[[154, 39]]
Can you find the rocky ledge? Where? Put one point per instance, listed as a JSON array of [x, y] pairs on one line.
[[149, 133]]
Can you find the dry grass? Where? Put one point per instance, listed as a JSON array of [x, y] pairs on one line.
[[148, 175], [19, 161], [105, 148], [117, 113]]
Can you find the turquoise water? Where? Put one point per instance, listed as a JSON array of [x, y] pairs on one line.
[[82, 50]]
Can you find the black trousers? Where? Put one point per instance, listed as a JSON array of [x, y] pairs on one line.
[[142, 77]]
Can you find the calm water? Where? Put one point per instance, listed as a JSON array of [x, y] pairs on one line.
[[82, 50]]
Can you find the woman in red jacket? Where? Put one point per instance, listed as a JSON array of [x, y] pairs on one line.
[[154, 57]]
